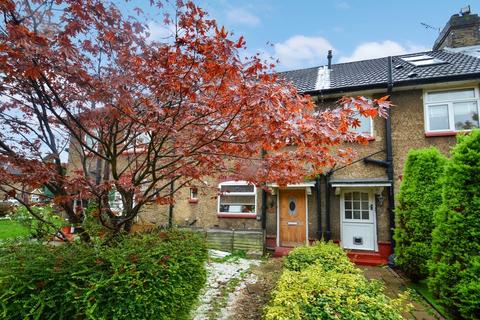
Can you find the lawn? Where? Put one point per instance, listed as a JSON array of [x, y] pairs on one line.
[[12, 229]]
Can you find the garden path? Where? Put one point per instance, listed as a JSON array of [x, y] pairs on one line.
[[237, 288], [394, 285]]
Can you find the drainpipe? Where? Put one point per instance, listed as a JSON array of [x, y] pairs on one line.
[[264, 203], [319, 206], [170, 206], [328, 233], [264, 209], [389, 151]]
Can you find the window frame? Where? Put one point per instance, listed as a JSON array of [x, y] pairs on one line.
[[370, 200], [191, 192], [451, 116], [237, 214]]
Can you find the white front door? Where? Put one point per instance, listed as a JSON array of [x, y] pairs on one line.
[[358, 226]]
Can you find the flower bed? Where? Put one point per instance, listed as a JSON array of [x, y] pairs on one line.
[[321, 283]]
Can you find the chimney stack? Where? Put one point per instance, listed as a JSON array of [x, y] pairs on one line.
[[329, 57], [462, 30]]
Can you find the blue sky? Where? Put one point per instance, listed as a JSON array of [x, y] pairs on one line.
[[300, 32]]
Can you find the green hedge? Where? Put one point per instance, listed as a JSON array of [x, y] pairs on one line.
[[139, 277], [321, 283], [420, 195], [455, 264]]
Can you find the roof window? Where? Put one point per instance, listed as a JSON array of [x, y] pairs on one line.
[[422, 60]]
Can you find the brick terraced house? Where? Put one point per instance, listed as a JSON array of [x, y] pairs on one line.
[[436, 95]]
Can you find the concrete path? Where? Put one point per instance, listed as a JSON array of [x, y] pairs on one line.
[[394, 284]]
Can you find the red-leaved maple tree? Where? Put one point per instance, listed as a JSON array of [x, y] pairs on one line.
[[140, 116]]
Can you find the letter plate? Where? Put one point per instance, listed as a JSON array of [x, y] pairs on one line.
[[358, 240], [292, 223]]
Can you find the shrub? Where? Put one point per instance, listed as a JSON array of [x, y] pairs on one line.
[[139, 277], [329, 255], [420, 195], [320, 290], [455, 265]]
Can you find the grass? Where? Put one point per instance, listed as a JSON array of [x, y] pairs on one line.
[[12, 229], [422, 288]]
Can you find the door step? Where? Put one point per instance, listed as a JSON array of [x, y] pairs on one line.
[[281, 251], [366, 258]]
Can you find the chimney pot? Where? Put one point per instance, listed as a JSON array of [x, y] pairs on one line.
[[329, 57]]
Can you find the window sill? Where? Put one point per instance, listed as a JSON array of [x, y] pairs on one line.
[[192, 200], [440, 134], [237, 215]]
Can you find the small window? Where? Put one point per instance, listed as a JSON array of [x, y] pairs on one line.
[[365, 127], [452, 110], [193, 198], [237, 197], [422, 60]]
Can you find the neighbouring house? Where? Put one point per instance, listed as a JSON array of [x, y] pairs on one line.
[[436, 95]]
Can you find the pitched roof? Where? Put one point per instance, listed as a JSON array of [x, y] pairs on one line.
[[373, 73]]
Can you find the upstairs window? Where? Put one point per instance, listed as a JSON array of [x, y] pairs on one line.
[[237, 197], [366, 126], [451, 110]]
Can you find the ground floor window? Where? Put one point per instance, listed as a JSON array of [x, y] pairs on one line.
[[237, 197]]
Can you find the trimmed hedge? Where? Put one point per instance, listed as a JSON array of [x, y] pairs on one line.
[[420, 195], [321, 283], [140, 277], [455, 264]]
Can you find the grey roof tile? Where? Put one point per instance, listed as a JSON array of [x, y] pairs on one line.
[[345, 76]]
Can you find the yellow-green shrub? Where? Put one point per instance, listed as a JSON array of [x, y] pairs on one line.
[[329, 255], [313, 287]]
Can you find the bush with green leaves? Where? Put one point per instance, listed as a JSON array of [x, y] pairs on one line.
[[455, 264], [321, 283], [39, 229], [141, 276], [420, 195], [329, 255]]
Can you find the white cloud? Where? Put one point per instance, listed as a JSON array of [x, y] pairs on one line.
[[160, 32], [371, 50], [301, 51], [239, 16]]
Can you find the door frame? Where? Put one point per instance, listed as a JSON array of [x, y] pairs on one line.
[[371, 198], [306, 213]]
